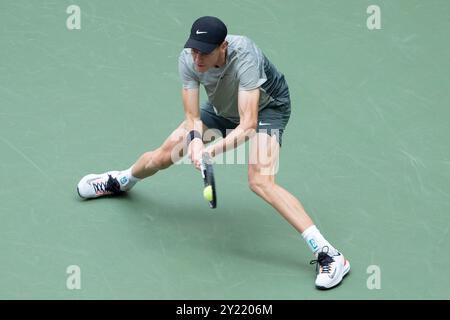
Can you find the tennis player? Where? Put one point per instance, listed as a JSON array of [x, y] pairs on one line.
[[248, 99]]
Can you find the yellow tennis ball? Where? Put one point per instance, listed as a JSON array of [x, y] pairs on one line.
[[208, 193]]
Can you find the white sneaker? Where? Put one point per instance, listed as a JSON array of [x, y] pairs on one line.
[[97, 185], [331, 269]]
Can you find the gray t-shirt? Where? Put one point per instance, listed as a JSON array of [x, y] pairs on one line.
[[246, 68]]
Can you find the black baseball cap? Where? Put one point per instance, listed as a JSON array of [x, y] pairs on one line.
[[206, 34]]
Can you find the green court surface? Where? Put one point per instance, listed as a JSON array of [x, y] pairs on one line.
[[366, 151]]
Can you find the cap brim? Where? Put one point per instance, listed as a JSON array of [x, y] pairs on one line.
[[203, 47]]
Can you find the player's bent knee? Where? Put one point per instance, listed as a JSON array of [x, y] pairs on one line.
[[258, 186], [253, 186]]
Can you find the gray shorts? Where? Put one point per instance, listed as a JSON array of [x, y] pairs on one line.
[[271, 120]]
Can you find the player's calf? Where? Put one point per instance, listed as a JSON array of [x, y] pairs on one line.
[[159, 159]]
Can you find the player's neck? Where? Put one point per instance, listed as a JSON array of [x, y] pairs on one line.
[[222, 60]]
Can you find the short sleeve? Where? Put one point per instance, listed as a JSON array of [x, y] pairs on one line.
[[188, 77], [249, 75]]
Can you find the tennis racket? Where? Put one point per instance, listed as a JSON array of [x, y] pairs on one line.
[[209, 190]]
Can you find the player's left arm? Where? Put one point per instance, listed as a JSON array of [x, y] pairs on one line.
[[248, 105]]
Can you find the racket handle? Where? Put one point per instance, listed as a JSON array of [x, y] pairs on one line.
[[206, 158]]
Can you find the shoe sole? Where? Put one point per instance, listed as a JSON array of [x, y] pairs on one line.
[[104, 195], [346, 271]]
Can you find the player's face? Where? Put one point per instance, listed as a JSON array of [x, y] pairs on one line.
[[203, 62]]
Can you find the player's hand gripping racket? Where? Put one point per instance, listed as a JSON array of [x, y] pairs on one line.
[[209, 191]]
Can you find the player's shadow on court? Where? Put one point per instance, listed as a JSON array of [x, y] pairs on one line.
[[199, 220], [278, 258], [108, 197]]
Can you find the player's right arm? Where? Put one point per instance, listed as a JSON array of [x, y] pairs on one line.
[[190, 94], [193, 124]]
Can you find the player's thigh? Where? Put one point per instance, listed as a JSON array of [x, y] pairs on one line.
[[263, 159]]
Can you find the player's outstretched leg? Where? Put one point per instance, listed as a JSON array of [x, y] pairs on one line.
[[115, 182], [263, 165]]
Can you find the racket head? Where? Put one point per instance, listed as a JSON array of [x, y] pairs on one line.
[[208, 178]]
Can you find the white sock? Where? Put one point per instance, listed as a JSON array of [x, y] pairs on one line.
[[126, 179], [316, 242]]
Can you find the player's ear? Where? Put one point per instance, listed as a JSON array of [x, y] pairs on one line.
[[224, 45]]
